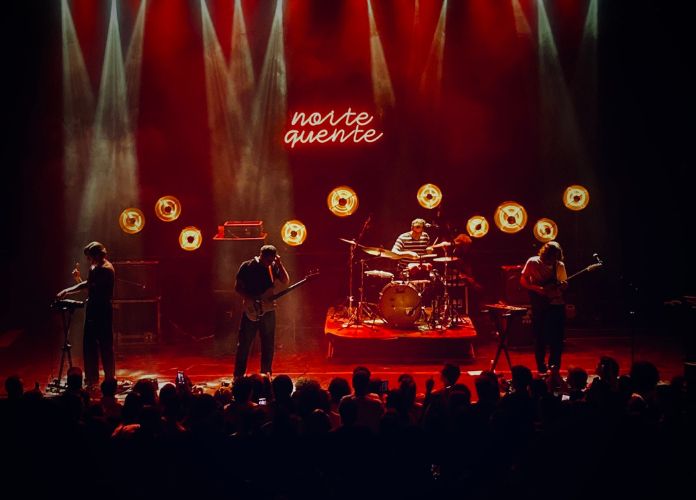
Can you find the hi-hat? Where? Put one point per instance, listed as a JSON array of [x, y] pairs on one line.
[[381, 252], [446, 259]]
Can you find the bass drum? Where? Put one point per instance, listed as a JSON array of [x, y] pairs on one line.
[[399, 303]]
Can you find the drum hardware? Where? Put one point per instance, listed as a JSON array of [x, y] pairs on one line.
[[379, 274], [351, 257], [364, 311], [445, 314]]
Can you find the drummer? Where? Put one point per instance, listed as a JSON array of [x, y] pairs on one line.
[[412, 244]]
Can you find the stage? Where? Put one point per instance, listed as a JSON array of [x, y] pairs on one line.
[[209, 363], [374, 338]]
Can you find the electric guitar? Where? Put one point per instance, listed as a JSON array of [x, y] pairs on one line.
[[552, 287], [256, 308]]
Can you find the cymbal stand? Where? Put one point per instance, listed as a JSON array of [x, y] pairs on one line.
[[356, 242], [363, 308], [448, 316]]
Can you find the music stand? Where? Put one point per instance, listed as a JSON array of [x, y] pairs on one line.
[[67, 308]]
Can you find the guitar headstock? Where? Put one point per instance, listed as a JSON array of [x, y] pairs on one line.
[[594, 267], [313, 273]]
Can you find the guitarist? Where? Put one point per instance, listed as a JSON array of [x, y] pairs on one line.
[[254, 282], [545, 277]]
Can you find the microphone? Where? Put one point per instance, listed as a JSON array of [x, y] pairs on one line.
[[428, 224], [596, 256]]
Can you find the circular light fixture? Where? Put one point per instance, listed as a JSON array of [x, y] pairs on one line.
[[429, 196], [190, 238], [131, 220], [510, 217], [576, 197], [293, 233], [545, 230], [168, 208], [477, 226], [342, 201]]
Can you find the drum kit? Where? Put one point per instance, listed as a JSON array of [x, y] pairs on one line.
[[415, 296]]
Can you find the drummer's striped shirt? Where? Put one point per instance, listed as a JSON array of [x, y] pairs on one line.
[[405, 243]]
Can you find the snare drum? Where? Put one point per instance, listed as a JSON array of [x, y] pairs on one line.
[[399, 303]]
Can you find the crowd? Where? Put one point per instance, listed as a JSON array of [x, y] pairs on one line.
[[620, 436]]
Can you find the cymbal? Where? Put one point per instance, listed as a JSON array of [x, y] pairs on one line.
[[498, 307], [446, 259], [379, 274], [427, 256], [380, 252], [352, 242]]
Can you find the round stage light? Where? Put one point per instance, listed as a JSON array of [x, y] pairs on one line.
[[545, 230], [342, 201], [477, 226], [293, 233], [576, 197], [168, 208], [131, 220], [510, 217], [190, 238], [429, 196]]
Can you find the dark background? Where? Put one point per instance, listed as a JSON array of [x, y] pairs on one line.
[[482, 143]]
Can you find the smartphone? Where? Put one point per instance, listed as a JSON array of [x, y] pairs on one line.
[[384, 387], [262, 401], [180, 378]]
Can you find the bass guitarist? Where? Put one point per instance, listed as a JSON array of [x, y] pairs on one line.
[[545, 277], [255, 283]]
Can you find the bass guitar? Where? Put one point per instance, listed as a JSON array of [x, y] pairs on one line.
[[256, 308]]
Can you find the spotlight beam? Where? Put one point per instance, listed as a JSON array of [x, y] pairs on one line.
[[78, 115], [382, 89], [113, 177], [431, 80]]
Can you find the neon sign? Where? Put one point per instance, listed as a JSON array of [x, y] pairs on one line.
[[350, 126]]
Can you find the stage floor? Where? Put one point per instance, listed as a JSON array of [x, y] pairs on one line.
[[209, 362]]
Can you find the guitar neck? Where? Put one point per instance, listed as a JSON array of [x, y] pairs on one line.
[[287, 290]]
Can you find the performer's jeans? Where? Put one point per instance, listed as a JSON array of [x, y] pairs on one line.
[[548, 324], [247, 332], [98, 339]]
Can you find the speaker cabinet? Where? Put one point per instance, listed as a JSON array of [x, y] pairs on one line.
[[136, 322], [136, 279]]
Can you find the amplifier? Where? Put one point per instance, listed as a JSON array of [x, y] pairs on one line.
[[136, 279], [241, 230], [136, 322]]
